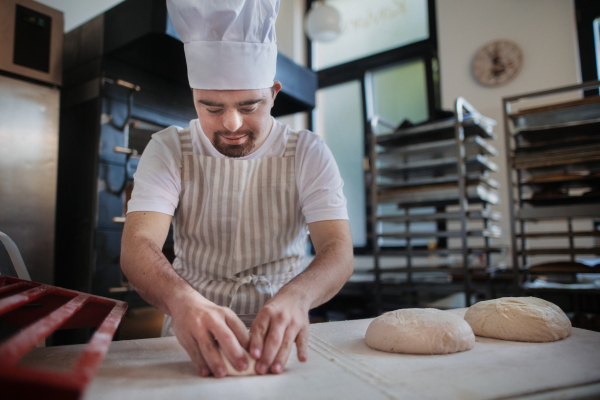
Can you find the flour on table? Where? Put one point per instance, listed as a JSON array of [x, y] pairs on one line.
[[420, 331], [523, 319]]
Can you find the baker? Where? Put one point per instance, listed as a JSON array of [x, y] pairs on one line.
[[243, 191]]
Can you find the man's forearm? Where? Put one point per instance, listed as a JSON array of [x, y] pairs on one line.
[[325, 275], [151, 274]]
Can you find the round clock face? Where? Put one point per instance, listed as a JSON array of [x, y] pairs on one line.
[[497, 63]]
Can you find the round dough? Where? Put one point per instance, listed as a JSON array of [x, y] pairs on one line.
[[522, 319], [420, 331], [231, 371]]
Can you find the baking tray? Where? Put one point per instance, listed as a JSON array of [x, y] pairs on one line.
[[442, 252], [472, 179], [541, 139], [473, 145], [490, 233], [560, 211], [572, 182], [439, 130], [446, 269], [483, 214], [553, 267], [531, 235], [438, 195], [443, 166], [564, 201], [561, 115], [554, 157], [559, 251]]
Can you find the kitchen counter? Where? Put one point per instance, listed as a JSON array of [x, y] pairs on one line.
[[341, 366]]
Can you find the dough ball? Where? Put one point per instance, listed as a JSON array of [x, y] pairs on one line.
[[522, 319], [231, 371], [420, 331]]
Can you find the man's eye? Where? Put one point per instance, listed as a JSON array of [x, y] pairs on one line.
[[248, 110], [213, 111]]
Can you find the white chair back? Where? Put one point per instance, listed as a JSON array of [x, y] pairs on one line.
[[11, 262]]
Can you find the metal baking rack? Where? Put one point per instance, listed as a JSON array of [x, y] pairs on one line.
[[553, 152], [35, 311], [435, 173]]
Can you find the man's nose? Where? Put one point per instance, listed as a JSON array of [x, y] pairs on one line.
[[232, 120]]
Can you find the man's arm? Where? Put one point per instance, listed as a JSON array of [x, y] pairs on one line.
[[284, 319], [198, 323]]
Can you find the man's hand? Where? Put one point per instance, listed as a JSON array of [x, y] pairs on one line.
[[281, 322], [198, 323], [284, 319], [201, 327]]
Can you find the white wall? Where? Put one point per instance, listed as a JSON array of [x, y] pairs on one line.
[[544, 29], [79, 11]]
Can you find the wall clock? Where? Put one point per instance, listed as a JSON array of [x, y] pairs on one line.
[[497, 63]]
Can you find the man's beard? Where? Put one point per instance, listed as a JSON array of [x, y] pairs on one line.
[[234, 150]]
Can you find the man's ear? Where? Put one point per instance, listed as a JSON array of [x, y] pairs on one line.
[[275, 89]]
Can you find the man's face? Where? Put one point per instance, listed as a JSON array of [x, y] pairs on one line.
[[237, 122]]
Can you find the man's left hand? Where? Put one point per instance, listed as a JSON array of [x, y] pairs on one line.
[[281, 322]]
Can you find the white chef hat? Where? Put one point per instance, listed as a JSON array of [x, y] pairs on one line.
[[229, 44]]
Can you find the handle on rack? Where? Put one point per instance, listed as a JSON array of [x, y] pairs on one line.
[[125, 150], [121, 82], [119, 220], [120, 289]]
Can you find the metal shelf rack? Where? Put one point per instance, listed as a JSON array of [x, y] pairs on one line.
[[435, 173], [553, 154]]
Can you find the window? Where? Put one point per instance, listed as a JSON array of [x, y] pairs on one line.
[[371, 27], [341, 122], [383, 64], [400, 92]]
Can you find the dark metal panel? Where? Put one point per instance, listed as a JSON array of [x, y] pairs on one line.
[[110, 137], [83, 44], [131, 20], [76, 195], [171, 103], [299, 85], [156, 53], [107, 273], [112, 179]]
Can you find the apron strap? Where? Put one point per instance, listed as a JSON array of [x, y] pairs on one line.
[[185, 137], [253, 279], [290, 146]]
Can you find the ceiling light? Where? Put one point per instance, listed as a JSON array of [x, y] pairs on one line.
[[323, 22]]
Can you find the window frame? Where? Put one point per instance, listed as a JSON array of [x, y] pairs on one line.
[[359, 69], [586, 11]]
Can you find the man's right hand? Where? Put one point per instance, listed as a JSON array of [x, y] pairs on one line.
[[202, 327], [199, 324]]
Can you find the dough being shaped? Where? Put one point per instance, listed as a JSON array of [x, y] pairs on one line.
[[522, 319], [231, 371], [420, 331]]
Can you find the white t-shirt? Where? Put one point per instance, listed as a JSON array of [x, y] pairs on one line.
[[158, 176]]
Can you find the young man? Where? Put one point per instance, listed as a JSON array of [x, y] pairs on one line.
[[242, 189]]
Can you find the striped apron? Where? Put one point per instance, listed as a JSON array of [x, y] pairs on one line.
[[239, 231]]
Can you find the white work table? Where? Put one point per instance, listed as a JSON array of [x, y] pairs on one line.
[[341, 366]]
